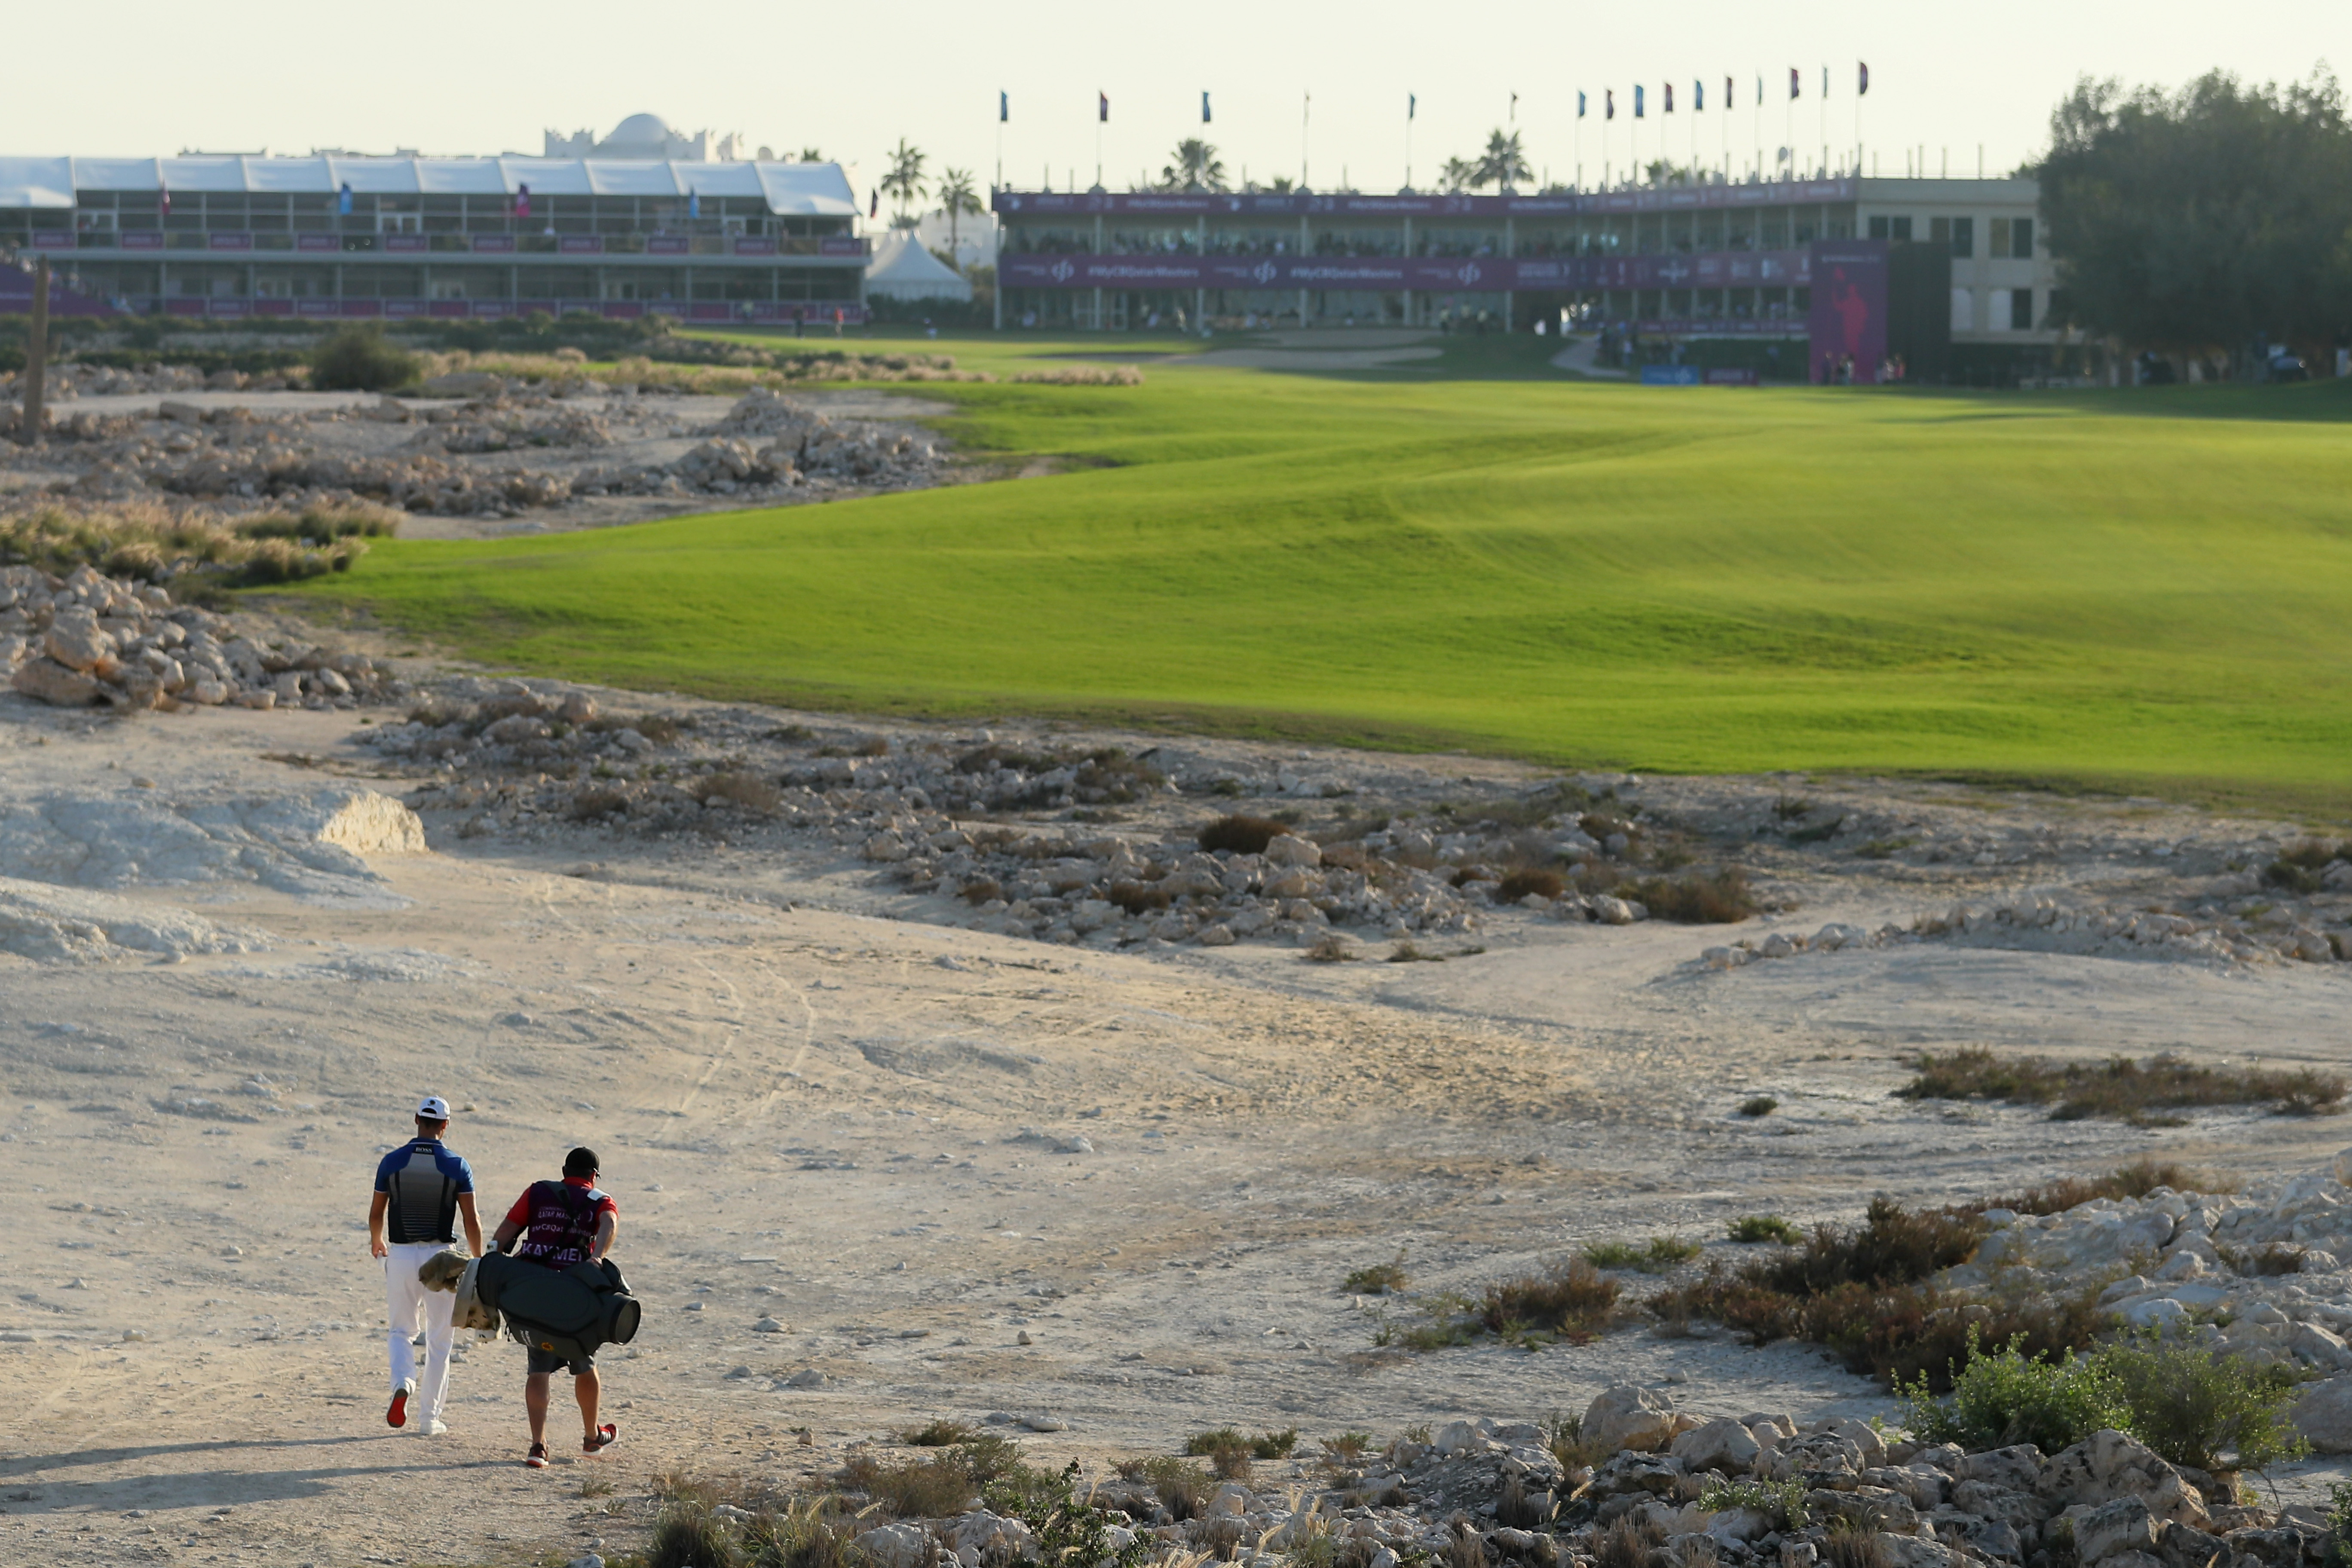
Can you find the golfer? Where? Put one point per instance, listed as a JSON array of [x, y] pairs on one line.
[[421, 1190], [560, 1224]]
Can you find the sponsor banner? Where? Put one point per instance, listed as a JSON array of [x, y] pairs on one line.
[[1724, 375], [581, 245], [140, 239], [1670, 376], [1734, 269], [219, 241], [319, 242], [623, 310], [840, 245], [1848, 323], [183, 307], [450, 310], [228, 307], [53, 239], [493, 308], [406, 244], [664, 245], [746, 245], [405, 308], [327, 308], [1203, 204], [494, 243], [1717, 327], [273, 306]]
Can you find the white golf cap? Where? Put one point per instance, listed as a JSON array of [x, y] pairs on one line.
[[435, 1109]]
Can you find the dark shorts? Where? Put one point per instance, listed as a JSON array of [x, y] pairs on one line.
[[541, 1363]]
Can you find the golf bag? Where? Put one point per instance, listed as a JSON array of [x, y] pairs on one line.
[[567, 1312]]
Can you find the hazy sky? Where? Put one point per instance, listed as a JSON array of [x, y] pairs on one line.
[[140, 77]]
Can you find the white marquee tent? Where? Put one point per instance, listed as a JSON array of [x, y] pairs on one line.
[[903, 269]]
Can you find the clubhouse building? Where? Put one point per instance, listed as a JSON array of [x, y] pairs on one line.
[[1699, 261], [329, 236]]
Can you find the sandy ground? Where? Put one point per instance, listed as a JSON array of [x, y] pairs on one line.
[[857, 1125]]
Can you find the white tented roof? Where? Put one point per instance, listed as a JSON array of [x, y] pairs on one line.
[[904, 269], [797, 190]]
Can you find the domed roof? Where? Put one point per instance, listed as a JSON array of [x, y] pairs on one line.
[[641, 129]]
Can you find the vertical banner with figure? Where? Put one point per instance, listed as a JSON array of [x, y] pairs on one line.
[[1847, 323]]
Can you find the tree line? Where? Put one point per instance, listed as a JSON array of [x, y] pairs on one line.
[[2207, 221]]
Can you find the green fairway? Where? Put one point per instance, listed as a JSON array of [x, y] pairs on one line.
[[2151, 590]]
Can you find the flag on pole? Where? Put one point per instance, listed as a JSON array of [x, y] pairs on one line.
[[343, 199], [1794, 80], [1411, 105], [1607, 112], [1639, 105], [1102, 105], [874, 208], [1728, 101], [1825, 82], [1699, 96], [1579, 103], [1863, 86], [1670, 98], [522, 200], [167, 201], [1515, 107], [1205, 108], [1003, 106]]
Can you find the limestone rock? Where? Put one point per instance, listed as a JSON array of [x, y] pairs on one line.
[[1722, 1444], [2123, 1525], [2322, 1413], [48, 681], [1627, 1416], [896, 1546]]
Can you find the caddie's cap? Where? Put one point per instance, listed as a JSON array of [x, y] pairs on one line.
[[435, 1109]]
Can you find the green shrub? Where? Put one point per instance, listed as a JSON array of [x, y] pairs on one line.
[[941, 1483], [1068, 1530], [2195, 1406], [1378, 1279], [1573, 1301], [358, 358], [687, 1535], [1759, 1105], [1782, 1502], [1998, 1400], [1657, 1255], [1752, 1228], [2119, 1089]]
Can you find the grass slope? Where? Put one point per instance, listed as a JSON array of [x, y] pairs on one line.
[[2144, 589]]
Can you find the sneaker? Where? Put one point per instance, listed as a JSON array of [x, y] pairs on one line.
[[607, 1436], [434, 1429], [398, 1415], [537, 1459]]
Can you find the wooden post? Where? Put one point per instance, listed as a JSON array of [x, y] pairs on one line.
[[36, 355]]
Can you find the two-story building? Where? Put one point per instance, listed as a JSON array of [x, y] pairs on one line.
[[1714, 259], [328, 236]]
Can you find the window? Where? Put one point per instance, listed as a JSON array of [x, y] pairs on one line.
[[2000, 237], [1880, 229], [1902, 229], [2021, 235], [2021, 310], [1963, 310], [1956, 234]]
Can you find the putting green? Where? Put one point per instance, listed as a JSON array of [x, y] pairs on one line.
[[2152, 590]]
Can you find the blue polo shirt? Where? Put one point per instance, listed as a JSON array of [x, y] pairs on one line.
[[423, 1180]]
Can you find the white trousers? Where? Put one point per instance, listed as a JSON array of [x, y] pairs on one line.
[[413, 1308]]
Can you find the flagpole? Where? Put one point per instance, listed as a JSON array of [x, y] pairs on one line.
[[1305, 112]]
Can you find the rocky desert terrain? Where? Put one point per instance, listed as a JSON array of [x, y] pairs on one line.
[[948, 1071]]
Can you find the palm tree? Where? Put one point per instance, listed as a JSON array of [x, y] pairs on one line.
[[958, 196], [1458, 175], [1503, 164], [904, 183], [1196, 167], [812, 155]]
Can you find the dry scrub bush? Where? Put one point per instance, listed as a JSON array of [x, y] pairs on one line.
[[1572, 1301], [2136, 1180], [748, 791], [1696, 897], [1330, 948], [1541, 881], [2119, 1089], [1241, 834], [146, 540], [1378, 1279], [2298, 867], [1083, 375]]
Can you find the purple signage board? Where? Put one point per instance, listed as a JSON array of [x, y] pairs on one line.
[[493, 244], [581, 244], [1225, 203], [1848, 323], [183, 307], [220, 241], [1432, 274], [53, 239], [140, 239], [310, 307], [405, 308], [319, 242], [232, 308], [493, 308], [407, 244], [273, 306], [623, 310], [665, 244], [840, 245], [746, 245]]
